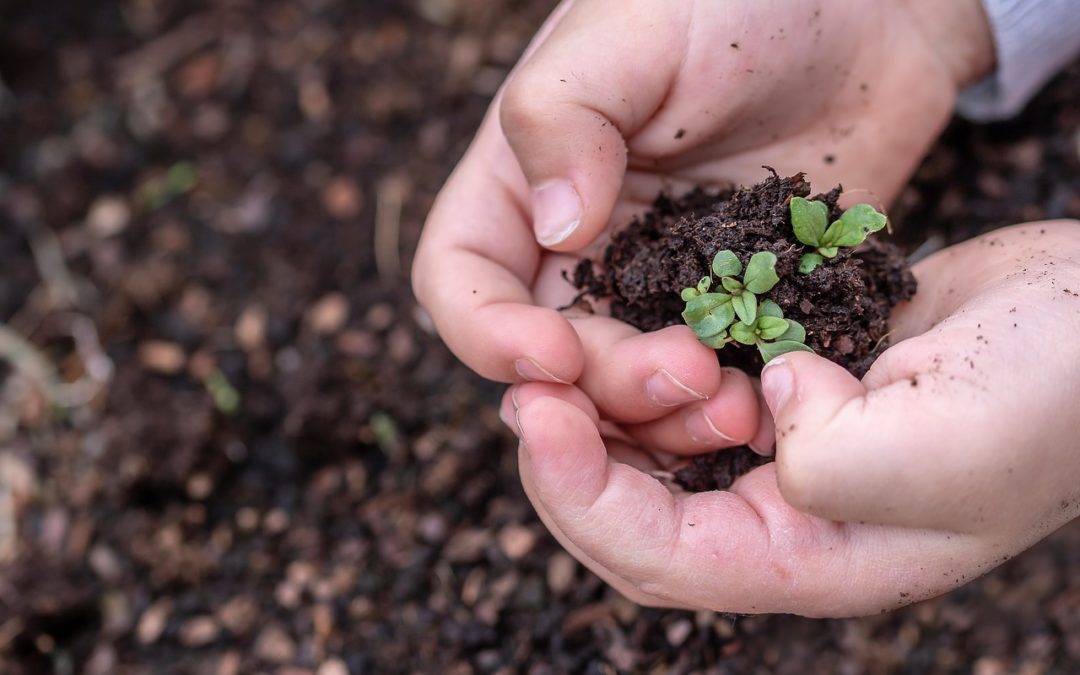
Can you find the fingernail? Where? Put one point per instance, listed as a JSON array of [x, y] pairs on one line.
[[522, 443], [666, 391], [777, 384], [509, 417], [556, 212], [532, 371], [702, 430]]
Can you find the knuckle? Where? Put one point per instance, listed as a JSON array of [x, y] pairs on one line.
[[799, 484], [523, 109]]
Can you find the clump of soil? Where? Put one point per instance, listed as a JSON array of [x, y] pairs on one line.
[[844, 304]]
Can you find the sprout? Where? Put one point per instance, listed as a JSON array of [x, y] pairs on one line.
[[704, 310], [712, 316], [810, 218], [771, 333]]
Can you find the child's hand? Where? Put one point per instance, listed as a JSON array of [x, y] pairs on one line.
[[619, 100], [958, 450]]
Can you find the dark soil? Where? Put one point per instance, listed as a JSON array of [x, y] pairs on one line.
[[844, 304], [718, 470], [360, 510]]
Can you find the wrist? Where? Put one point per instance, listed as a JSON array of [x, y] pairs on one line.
[[959, 32]]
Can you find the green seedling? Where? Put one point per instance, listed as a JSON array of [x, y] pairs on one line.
[[810, 220], [709, 313], [771, 333], [712, 316], [226, 398]]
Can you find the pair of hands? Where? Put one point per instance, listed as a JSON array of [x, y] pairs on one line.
[[955, 451]]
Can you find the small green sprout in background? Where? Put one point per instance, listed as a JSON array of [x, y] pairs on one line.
[[180, 179], [712, 316], [226, 398], [810, 220]]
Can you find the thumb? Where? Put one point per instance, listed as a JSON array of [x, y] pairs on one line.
[[568, 110], [892, 455]]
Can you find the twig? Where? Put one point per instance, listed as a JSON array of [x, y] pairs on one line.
[[10, 630], [60, 284], [390, 197], [8, 534], [155, 58], [36, 368]]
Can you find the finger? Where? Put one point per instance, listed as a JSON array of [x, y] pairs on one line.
[[898, 454], [636, 377], [518, 395], [942, 423], [472, 271], [568, 129], [743, 551], [727, 419], [764, 440]]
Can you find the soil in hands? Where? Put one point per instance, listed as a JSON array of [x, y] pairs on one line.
[[844, 304]]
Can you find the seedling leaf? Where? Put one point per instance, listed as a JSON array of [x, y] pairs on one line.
[[770, 308], [743, 334], [770, 327], [709, 314], [843, 233], [809, 262], [726, 264], [794, 332], [745, 307], [809, 220], [770, 350], [716, 341], [689, 294], [761, 272], [866, 217], [731, 285]]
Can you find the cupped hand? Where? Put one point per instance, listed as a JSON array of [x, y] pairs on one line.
[[618, 100], [956, 451]]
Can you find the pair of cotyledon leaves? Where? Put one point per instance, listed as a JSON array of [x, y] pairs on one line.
[[810, 221]]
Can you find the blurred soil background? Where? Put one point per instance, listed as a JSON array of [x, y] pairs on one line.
[[230, 443]]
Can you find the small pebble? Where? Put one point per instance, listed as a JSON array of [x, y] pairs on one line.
[[108, 216], [333, 667], [165, 358], [515, 541], [342, 198], [198, 631], [329, 314], [274, 645], [561, 570], [250, 329], [678, 631], [153, 621]]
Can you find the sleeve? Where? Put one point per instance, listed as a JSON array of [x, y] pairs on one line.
[[1034, 39]]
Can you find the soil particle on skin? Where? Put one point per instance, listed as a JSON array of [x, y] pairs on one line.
[[844, 304]]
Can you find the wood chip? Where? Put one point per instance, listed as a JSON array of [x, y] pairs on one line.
[[161, 357], [108, 216], [342, 199], [329, 314], [561, 570], [199, 631], [153, 621], [515, 541]]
